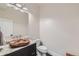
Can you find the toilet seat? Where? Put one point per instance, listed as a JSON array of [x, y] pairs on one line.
[[42, 49]]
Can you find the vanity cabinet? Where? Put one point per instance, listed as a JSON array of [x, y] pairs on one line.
[[26, 51]]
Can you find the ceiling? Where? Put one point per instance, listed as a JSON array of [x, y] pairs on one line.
[[3, 5]]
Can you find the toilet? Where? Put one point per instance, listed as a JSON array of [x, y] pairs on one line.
[[41, 48]]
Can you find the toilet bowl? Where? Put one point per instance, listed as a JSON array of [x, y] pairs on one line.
[[42, 49]]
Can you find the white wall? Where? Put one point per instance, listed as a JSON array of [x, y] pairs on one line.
[[59, 27], [34, 20]]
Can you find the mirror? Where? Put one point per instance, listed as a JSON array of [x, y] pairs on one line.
[[12, 22]]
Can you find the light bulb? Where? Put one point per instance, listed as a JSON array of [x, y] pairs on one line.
[[18, 5], [16, 8], [25, 8], [9, 5]]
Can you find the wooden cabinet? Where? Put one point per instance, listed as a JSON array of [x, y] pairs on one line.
[[27, 51]]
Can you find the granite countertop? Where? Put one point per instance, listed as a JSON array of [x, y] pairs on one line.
[[6, 48]]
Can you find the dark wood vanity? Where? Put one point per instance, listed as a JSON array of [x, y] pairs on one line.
[[26, 51]]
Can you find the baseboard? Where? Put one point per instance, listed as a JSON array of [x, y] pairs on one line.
[[52, 53]]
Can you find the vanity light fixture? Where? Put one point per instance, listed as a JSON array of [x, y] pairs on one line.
[[18, 6]]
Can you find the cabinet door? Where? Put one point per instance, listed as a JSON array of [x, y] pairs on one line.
[[27, 51]]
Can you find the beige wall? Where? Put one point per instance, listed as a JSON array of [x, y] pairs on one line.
[[59, 27]]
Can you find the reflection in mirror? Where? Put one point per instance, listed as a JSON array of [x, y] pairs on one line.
[[6, 27], [12, 22]]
